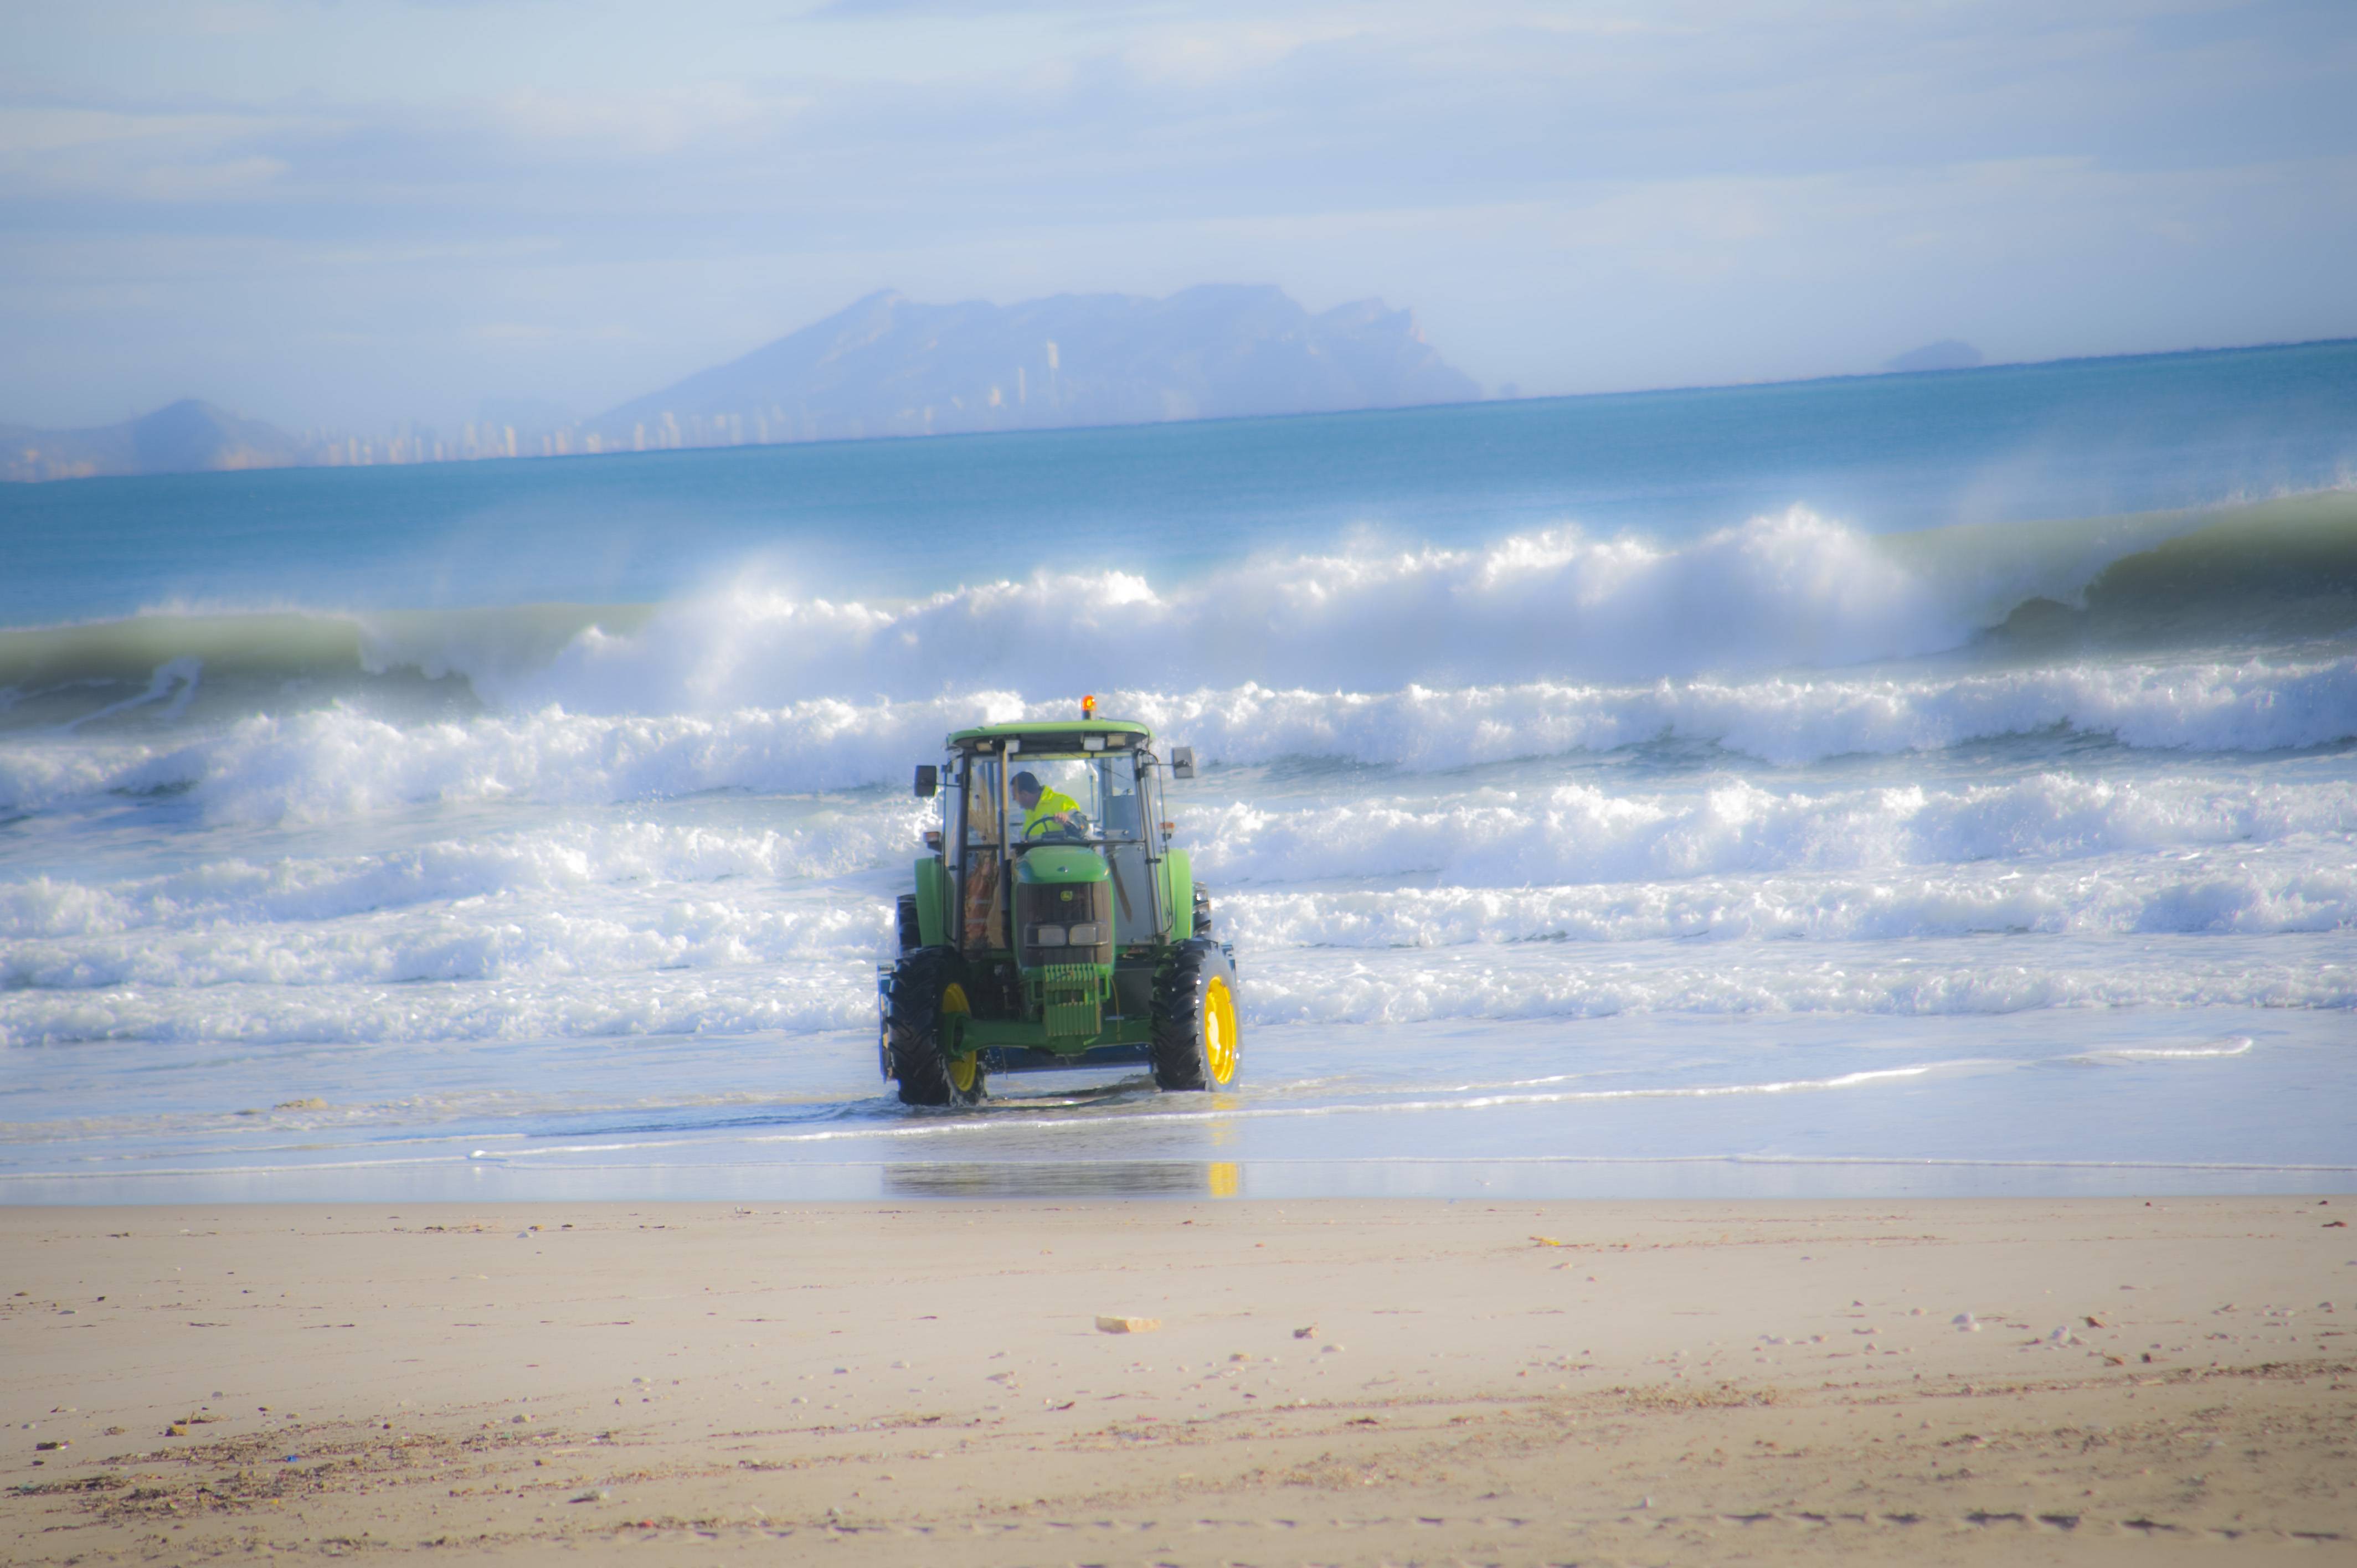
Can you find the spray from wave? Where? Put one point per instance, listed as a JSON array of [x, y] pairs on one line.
[[1776, 592], [1786, 593]]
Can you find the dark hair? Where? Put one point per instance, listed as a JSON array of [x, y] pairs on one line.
[[1025, 780]]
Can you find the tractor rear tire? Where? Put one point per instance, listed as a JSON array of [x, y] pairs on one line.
[[1198, 1043], [927, 984]]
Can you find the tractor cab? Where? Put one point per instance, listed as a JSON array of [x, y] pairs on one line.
[[1052, 916], [1075, 812]]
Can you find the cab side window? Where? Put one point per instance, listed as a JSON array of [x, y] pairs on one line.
[[984, 904], [1123, 815]]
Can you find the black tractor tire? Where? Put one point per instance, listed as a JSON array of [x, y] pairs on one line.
[[1198, 1043], [912, 931], [912, 1030], [1202, 910]]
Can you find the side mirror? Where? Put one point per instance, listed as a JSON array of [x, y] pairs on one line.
[[929, 780], [1182, 762]]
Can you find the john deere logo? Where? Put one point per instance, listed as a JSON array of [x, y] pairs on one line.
[[1068, 895]]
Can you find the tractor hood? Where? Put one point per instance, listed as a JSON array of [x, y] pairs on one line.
[[1060, 863]]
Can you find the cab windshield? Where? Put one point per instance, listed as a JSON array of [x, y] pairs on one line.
[[1091, 799], [1099, 800]]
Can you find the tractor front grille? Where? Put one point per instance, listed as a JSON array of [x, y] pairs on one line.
[[1071, 998]]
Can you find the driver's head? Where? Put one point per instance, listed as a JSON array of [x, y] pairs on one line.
[[1027, 790]]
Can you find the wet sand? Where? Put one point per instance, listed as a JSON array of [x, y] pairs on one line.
[[1328, 1382]]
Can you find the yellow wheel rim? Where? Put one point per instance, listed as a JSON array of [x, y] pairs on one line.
[[964, 1070], [1220, 1040]]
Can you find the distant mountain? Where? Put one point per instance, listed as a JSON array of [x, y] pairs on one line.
[[890, 366], [185, 437], [886, 366], [1947, 354]]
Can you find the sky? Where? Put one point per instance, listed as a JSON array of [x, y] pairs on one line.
[[343, 214]]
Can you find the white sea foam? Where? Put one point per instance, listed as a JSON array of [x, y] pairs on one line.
[[180, 932], [1580, 833], [75, 938], [2230, 1045], [326, 765], [1348, 987], [594, 863], [2048, 853], [822, 991], [2110, 898], [615, 936], [582, 900], [798, 999], [2243, 705]]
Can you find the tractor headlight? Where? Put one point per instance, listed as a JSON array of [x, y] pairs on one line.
[[1049, 936], [1086, 936]]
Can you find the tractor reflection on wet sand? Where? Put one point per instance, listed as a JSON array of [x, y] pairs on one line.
[[1070, 934]]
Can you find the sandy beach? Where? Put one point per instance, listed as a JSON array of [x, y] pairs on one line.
[[1310, 1382]]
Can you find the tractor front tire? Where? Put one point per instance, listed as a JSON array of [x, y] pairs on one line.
[[926, 990], [1197, 1042]]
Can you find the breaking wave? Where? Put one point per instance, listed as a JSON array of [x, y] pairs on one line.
[[1776, 592], [1780, 591], [1556, 613], [331, 764]]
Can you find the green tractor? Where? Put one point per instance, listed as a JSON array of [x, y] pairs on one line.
[[1053, 924]]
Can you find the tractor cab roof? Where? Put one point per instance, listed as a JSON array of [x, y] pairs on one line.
[[1055, 736]]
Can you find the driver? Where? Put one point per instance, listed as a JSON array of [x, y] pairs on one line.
[[1046, 811]]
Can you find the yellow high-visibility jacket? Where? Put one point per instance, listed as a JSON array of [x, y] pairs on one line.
[[1052, 803]]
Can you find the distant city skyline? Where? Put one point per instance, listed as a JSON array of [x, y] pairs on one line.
[[205, 437], [352, 216]]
